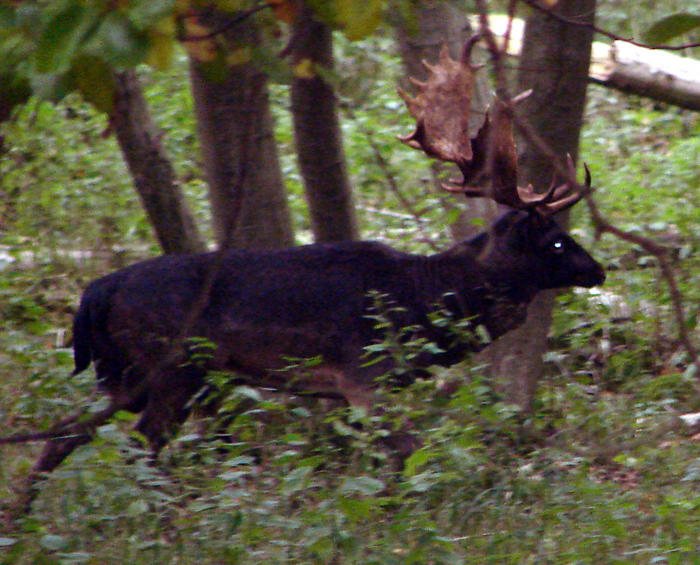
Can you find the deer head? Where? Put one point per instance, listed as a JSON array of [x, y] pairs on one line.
[[441, 109]]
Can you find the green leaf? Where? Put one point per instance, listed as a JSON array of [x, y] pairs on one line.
[[362, 485], [109, 432], [118, 41], [416, 460], [358, 19], [296, 480], [93, 77], [357, 510], [53, 543], [670, 27], [137, 508], [247, 392], [62, 37], [343, 430], [240, 460]]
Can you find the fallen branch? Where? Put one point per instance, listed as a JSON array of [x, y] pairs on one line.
[[623, 65], [64, 437]]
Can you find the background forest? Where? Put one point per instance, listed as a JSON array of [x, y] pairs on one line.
[[603, 467]]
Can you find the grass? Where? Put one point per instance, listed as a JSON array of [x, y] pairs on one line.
[[602, 471]]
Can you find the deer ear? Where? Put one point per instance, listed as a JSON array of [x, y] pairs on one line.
[[525, 229], [534, 223], [503, 224]]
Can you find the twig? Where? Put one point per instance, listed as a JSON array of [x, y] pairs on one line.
[[394, 186], [512, 5], [391, 179], [600, 223], [661, 253], [228, 25], [604, 226], [65, 437], [68, 434], [542, 8]]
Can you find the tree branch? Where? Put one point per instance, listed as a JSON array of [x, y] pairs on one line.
[[225, 27], [600, 223], [538, 5], [394, 186]]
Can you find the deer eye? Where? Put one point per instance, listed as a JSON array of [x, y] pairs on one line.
[[558, 246]]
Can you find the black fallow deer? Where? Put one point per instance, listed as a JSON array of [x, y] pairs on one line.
[[265, 307]]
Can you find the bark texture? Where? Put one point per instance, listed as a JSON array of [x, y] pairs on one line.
[[421, 38], [555, 66], [239, 152], [151, 170], [317, 135]]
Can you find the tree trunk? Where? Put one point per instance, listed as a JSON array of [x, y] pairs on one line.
[[317, 134], [153, 174], [654, 73], [421, 38], [556, 68], [248, 199], [5, 111]]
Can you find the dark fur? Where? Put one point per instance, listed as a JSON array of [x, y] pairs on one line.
[[268, 306]]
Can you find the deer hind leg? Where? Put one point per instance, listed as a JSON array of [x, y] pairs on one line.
[[359, 393], [330, 381], [168, 405]]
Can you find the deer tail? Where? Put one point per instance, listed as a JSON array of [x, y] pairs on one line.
[[82, 331]]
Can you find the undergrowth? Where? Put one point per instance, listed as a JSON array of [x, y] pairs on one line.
[[601, 471]]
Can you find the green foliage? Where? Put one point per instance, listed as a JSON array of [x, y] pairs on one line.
[[50, 50], [54, 49], [355, 20], [601, 471], [44, 188], [671, 27], [668, 17], [284, 482]]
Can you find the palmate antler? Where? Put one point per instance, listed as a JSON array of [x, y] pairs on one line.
[[441, 110]]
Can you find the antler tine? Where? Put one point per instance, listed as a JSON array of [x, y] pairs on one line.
[[560, 203], [495, 157], [494, 160], [467, 190], [441, 109], [466, 55], [529, 197]]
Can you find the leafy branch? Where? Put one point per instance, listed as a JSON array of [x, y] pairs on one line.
[[224, 27]]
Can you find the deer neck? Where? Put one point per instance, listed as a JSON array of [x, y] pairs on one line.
[[465, 269], [453, 271]]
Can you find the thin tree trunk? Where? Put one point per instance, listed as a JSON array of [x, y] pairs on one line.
[[317, 134], [247, 194], [556, 69], [421, 38], [5, 110], [152, 171]]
